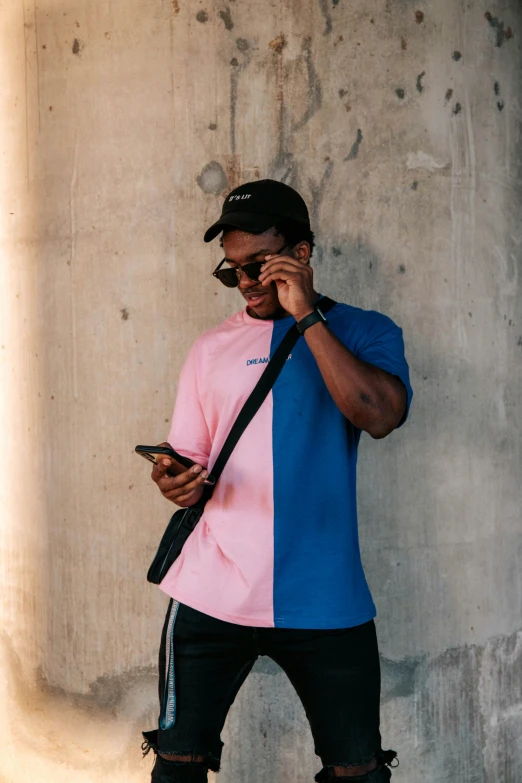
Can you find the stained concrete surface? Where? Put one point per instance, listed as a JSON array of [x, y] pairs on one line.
[[122, 122]]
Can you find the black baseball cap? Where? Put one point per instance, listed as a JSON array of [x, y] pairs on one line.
[[256, 206]]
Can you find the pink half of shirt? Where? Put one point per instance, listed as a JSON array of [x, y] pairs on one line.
[[226, 567]]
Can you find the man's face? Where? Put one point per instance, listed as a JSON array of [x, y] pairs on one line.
[[242, 248]]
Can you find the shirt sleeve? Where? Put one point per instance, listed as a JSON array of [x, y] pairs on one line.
[[189, 433], [381, 344]]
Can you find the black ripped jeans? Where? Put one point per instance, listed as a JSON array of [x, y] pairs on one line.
[[204, 662]]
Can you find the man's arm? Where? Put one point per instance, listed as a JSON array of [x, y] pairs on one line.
[[371, 398]]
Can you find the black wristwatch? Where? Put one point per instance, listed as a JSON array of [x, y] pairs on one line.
[[310, 320]]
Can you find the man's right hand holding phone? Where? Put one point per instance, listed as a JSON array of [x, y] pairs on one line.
[[184, 489]]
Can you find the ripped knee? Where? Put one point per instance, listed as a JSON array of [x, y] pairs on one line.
[[179, 767], [188, 758], [375, 770], [173, 769], [354, 772]]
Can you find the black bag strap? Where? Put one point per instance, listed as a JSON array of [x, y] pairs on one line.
[[258, 395]]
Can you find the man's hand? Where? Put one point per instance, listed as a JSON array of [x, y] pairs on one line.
[[294, 281], [185, 489]]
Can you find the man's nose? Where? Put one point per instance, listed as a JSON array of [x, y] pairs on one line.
[[245, 282]]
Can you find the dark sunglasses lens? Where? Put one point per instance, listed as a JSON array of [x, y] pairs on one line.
[[253, 270], [228, 277]]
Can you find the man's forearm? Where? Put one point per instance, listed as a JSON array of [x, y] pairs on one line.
[[370, 398]]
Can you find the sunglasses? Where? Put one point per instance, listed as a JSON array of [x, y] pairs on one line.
[[231, 277]]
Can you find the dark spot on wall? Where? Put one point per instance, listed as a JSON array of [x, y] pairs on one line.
[[44, 46], [500, 105], [414, 185], [284, 166], [212, 126], [336, 251], [497, 26], [402, 269], [317, 193], [242, 44], [457, 108], [519, 341], [456, 56], [399, 92], [315, 90], [212, 179], [202, 17], [106, 694], [175, 6], [342, 93], [325, 11], [226, 17], [278, 44], [419, 17], [398, 677], [449, 94], [496, 88], [233, 163], [355, 146], [335, 2], [124, 314], [77, 46], [419, 85], [339, 40], [404, 44]]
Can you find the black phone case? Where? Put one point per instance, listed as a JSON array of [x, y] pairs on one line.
[[149, 451]]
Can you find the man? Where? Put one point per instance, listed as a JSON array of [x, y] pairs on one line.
[[273, 566]]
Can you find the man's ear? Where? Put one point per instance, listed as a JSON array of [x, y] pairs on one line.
[[302, 252]]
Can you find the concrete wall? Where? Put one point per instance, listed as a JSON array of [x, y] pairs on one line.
[[123, 121]]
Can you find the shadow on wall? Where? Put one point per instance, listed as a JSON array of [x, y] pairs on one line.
[[53, 734]]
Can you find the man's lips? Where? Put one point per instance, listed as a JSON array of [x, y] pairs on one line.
[[255, 298]]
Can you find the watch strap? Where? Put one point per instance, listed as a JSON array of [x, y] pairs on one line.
[[315, 317]]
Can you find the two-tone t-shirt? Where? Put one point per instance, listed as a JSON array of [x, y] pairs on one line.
[[277, 545]]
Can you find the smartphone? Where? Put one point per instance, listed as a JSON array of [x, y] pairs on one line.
[[156, 453]]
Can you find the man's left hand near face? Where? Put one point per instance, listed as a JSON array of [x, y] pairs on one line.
[[294, 281]]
